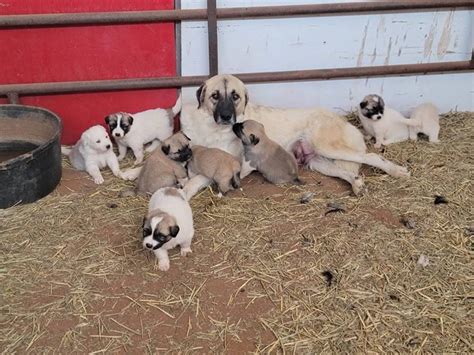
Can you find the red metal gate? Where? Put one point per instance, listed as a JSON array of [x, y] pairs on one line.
[[88, 53]]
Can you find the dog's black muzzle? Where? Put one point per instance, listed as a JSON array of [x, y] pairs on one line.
[[185, 154], [225, 112], [238, 128]]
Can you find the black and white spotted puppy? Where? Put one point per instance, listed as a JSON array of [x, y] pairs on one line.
[[135, 130]]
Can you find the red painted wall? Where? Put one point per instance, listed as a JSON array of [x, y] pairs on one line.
[[88, 53]]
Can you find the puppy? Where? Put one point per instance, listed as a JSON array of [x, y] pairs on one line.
[[275, 163], [169, 223], [136, 130], [426, 117], [217, 165], [162, 168], [93, 152], [390, 126]]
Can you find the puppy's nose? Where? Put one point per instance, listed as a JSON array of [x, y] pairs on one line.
[[148, 245], [117, 134], [107, 146], [379, 117], [226, 117]]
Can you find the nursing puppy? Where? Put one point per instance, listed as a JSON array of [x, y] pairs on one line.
[[217, 165], [426, 117], [276, 164], [92, 152], [320, 139], [136, 130], [162, 168], [169, 223], [390, 126]]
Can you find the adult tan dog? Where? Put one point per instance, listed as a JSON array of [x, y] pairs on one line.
[[320, 140]]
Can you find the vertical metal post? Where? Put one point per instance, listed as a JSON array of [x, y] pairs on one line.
[[212, 37]]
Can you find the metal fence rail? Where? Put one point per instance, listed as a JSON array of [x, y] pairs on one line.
[[212, 14]]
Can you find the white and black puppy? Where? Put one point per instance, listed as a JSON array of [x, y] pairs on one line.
[[169, 223], [390, 126], [92, 152], [136, 130]]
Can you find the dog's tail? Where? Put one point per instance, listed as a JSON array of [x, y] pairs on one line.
[[235, 181], [65, 150], [177, 106]]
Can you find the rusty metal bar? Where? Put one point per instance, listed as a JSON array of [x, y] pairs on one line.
[[96, 18], [13, 98], [319, 74], [212, 37]]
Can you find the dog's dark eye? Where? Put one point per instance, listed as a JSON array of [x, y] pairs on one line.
[[235, 96], [146, 232], [215, 96], [98, 141]]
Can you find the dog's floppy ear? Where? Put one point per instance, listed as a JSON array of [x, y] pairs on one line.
[[107, 119], [200, 93], [363, 104], [165, 149], [130, 119], [381, 102], [254, 140], [174, 231]]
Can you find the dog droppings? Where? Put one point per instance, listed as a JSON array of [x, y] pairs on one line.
[[423, 260], [440, 199], [328, 276], [112, 205], [394, 297], [408, 222], [335, 207], [307, 197]]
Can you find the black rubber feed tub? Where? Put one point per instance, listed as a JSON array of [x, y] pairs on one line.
[[30, 154]]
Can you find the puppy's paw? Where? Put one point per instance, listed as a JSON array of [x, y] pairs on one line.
[[164, 265], [120, 157], [99, 180], [185, 251], [378, 145], [219, 195]]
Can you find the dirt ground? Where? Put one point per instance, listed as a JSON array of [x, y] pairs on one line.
[[267, 274]]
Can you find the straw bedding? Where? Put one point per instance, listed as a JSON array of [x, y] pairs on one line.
[[267, 274]]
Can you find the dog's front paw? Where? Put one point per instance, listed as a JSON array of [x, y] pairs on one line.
[[120, 157], [99, 180], [185, 251], [358, 186], [164, 265], [378, 145], [401, 172]]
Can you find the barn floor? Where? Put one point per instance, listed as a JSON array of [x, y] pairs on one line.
[[75, 278]]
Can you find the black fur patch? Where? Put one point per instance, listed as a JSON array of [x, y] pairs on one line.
[[165, 149]]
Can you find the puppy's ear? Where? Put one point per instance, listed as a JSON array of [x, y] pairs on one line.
[[246, 99], [200, 94], [130, 119], [174, 231], [254, 140], [381, 103], [165, 149], [107, 119], [363, 104]]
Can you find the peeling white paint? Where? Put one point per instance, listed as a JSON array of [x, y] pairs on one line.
[[389, 50], [445, 36], [360, 57]]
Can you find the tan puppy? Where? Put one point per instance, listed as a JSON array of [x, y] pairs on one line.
[[215, 164], [162, 167], [276, 164]]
